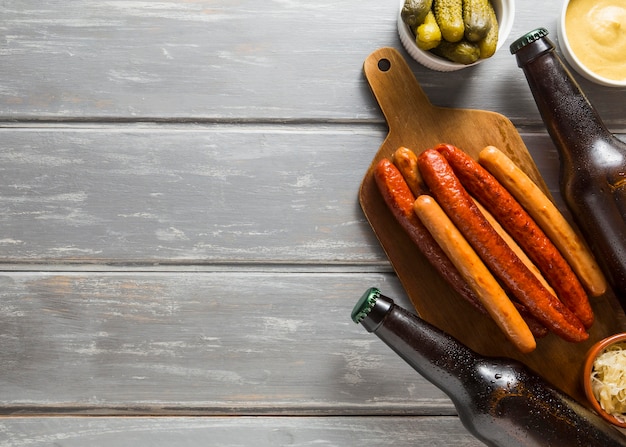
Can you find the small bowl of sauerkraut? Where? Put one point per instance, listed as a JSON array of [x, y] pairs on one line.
[[604, 378]]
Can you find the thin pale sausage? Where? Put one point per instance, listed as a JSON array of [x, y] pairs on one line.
[[475, 272]]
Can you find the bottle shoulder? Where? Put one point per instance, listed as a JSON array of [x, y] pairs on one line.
[[593, 155]]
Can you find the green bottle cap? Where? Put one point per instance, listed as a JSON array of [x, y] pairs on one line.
[[365, 304], [527, 39]]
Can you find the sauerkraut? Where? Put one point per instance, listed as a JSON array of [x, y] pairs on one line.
[[608, 380]]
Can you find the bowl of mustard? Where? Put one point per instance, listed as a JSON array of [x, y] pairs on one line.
[[592, 37]]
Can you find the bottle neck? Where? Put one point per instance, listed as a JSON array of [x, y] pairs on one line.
[[438, 357], [571, 120]]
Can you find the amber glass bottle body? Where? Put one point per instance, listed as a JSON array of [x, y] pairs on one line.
[[499, 401], [593, 160]]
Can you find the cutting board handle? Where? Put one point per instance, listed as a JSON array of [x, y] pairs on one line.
[[394, 86]]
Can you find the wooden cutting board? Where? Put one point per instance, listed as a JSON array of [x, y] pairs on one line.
[[415, 123]]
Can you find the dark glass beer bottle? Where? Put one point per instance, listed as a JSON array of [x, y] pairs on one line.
[[593, 160], [499, 401]]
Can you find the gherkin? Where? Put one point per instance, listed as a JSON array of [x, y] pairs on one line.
[[428, 34], [477, 19], [489, 44], [462, 52], [414, 12], [449, 15]]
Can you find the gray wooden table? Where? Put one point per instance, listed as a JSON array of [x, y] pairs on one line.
[[180, 237]]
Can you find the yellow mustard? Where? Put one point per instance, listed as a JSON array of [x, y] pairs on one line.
[[596, 30]]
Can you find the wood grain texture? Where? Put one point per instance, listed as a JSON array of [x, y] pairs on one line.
[[178, 197], [201, 195], [236, 432], [200, 343], [235, 61], [194, 194]]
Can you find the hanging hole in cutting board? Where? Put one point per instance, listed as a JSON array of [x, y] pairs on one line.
[[384, 65]]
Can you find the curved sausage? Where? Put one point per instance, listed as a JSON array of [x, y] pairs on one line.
[[546, 214], [493, 250], [518, 223], [514, 246], [399, 200], [406, 162]]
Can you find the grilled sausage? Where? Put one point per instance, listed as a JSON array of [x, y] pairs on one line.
[[399, 200], [514, 246], [493, 250], [406, 162], [546, 214], [518, 223], [474, 271]]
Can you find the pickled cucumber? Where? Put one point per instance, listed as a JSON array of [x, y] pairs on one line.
[[428, 34], [462, 52], [489, 44], [476, 19], [414, 12], [449, 16]]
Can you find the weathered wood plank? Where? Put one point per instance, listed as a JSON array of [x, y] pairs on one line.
[[205, 195], [180, 268], [236, 432], [225, 60], [201, 195], [200, 343]]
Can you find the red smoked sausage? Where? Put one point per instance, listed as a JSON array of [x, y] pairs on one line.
[[399, 200], [524, 230], [494, 251]]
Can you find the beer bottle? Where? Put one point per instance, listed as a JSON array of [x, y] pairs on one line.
[[592, 159], [498, 400]]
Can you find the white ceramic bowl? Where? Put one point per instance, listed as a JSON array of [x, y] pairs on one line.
[[574, 61], [505, 12]]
